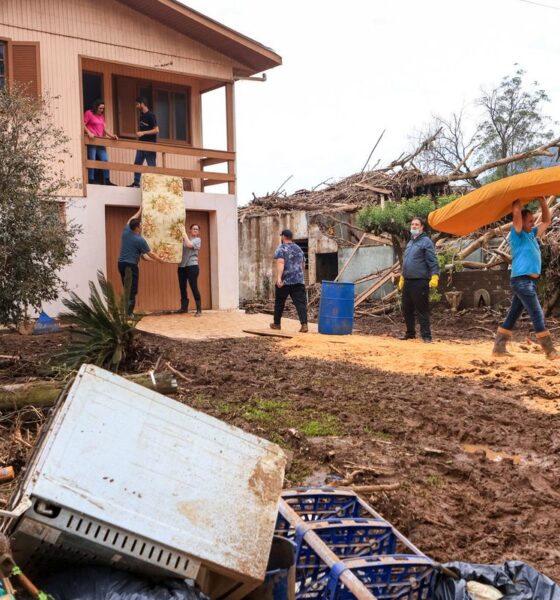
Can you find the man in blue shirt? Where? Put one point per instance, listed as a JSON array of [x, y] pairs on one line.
[[290, 263], [525, 272], [133, 247]]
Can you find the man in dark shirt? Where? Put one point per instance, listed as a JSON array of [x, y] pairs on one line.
[[147, 132], [133, 247], [290, 264]]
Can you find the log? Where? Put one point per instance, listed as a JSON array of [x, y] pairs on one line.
[[375, 286], [43, 394]]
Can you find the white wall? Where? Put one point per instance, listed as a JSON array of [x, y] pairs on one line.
[[91, 256]]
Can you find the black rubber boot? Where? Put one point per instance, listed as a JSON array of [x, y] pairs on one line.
[[503, 336], [184, 306], [545, 341]]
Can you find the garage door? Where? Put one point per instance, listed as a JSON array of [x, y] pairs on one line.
[[158, 288]]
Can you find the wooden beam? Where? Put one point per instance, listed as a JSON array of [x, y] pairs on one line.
[[169, 148], [206, 162], [377, 285], [230, 123], [99, 164], [350, 257]]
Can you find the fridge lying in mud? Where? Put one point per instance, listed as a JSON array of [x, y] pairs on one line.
[[124, 476]]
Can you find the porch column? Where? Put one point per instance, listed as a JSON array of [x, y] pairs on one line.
[[230, 122]]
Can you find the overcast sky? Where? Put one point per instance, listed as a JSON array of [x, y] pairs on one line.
[[351, 69]]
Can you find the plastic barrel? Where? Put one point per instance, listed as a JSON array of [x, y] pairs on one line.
[[336, 309]]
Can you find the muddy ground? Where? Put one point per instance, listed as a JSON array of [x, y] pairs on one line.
[[454, 501]]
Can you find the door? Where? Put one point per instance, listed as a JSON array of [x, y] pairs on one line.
[[158, 289]]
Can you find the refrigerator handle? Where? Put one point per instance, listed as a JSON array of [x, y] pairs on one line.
[[24, 504]]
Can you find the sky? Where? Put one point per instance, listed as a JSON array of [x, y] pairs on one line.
[[353, 69]]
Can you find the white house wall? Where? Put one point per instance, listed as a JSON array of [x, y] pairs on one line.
[[91, 256]]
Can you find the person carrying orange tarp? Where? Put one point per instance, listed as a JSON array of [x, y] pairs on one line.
[[525, 271]]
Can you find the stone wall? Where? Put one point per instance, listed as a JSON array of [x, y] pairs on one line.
[[496, 283]]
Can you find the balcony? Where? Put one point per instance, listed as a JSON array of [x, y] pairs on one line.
[[171, 160]]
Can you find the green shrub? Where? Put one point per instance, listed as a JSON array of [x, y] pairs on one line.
[[103, 334]]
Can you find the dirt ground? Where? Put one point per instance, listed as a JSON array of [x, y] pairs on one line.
[[477, 465]]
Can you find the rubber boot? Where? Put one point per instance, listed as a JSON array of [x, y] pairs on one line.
[[184, 306], [503, 336], [545, 340]]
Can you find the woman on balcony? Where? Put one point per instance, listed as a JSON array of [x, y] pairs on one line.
[[94, 126]]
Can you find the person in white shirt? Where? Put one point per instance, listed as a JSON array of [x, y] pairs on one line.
[[188, 270]]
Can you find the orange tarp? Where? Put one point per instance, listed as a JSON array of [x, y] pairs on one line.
[[492, 202]]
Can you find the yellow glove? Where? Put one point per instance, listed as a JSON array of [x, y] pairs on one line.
[[434, 281], [401, 283]]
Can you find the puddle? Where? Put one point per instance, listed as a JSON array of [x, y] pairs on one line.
[[492, 455], [319, 478]]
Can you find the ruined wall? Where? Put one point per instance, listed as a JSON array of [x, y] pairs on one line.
[[496, 283], [318, 244], [366, 260], [259, 237]]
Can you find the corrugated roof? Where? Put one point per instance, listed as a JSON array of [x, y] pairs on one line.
[[254, 56]]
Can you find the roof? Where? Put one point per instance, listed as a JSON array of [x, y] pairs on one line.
[[252, 55]]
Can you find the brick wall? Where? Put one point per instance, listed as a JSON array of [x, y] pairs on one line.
[[496, 283]]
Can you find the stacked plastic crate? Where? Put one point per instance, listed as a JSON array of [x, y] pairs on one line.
[[344, 549]]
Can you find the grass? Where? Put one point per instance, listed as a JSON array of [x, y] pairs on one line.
[[265, 412], [324, 426], [380, 435]]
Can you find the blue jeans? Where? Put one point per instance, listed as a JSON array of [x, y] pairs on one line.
[[97, 153], [141, 156], [525, 297]]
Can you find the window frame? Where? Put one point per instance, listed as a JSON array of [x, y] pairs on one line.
[[6, 43], [155, 87], [175, 89]]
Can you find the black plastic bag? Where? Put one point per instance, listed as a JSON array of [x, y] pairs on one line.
[[104, 583], [515, 579]]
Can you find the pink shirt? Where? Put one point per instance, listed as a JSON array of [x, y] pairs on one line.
[[95, 123]]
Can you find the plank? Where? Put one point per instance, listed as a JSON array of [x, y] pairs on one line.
[[131, 168], [270, 333], [375, 286], [350, 257]]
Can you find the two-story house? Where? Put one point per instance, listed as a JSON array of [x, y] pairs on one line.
[[116, 50]]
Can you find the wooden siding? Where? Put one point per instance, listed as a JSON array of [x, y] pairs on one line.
[[159, 288], [68, 30]]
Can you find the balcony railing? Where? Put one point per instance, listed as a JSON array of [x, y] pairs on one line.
[[204, 157]]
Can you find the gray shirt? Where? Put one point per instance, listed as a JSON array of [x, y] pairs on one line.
[[132, 246], [190, 255]]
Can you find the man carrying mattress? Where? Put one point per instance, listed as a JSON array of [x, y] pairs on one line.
[[525, 272]]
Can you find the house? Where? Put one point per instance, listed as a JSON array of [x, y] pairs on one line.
[[324, 224], [77, 51]]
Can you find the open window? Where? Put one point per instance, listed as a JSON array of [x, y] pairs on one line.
[[3, 61], [92, 86], [170, 104]]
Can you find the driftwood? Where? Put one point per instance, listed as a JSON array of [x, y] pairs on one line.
[[43, 394]]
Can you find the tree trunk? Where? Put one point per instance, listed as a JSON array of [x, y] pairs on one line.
[[43, 394]]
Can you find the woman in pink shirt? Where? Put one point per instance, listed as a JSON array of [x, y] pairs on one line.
[[94, 126]]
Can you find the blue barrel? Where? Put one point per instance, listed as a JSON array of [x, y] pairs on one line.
[[336, 309]]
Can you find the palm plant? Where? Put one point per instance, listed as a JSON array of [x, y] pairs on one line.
[[103, 333]]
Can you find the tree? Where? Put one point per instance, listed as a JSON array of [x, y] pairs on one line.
[[513, 122], [35, 242], [395, 217]]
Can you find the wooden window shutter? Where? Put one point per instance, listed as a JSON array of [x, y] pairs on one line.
[[126, 107], [24, 66]]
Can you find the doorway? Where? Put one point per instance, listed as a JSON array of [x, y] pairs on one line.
[[158, 289]]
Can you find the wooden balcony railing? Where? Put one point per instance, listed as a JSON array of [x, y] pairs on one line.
[[204, 158]]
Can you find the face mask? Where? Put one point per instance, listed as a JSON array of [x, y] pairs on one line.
[[414, 232]]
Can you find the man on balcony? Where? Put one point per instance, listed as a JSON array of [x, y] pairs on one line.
[[147, 132]]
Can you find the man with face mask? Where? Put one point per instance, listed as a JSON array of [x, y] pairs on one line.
[[525, 271], [420, 273]]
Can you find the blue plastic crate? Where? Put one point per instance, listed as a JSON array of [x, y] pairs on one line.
[[396, 577], [347, 538], [313, 504]]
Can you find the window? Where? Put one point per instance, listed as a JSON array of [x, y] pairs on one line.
[[171, 105], [92, 86], [3, 62]]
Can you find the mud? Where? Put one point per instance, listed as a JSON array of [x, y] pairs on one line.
[[340, 416]]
